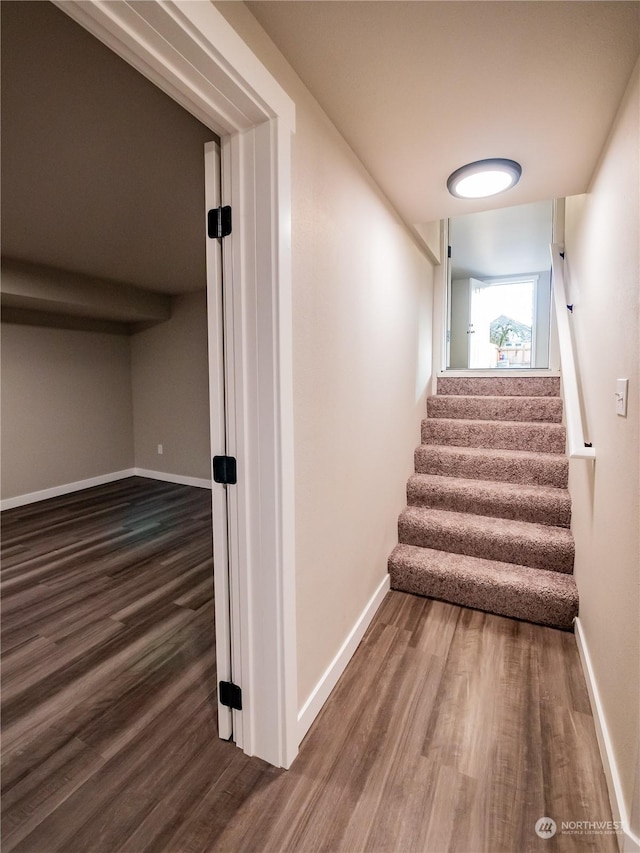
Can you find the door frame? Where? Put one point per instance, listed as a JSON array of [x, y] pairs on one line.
[[187, 49]]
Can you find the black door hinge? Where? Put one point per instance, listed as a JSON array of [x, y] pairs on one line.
[[219, 222], [230, 695], [448, 251], [225, 470]]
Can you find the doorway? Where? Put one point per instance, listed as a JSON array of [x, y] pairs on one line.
[[501, 323], [190, 52], [499, 289], [116, 144]]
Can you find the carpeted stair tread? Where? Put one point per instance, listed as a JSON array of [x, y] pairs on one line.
[[511, 386], [488, 515], [500, 435], [480, 463], [536, 545], [496, 408], [535, 504], [520, 592]]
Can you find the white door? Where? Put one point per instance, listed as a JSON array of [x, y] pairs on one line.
[[479, 332], [218, 430], [459, 324]]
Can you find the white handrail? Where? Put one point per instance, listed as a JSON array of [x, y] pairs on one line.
[[573, 414]]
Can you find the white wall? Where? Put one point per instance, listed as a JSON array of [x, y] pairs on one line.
[[169, 377], [66, 407], [603, 262], [362, 298]]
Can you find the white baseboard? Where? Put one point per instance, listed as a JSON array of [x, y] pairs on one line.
[[198, 482], [323, 688], [79, 485], [628, 841], [65, 489]]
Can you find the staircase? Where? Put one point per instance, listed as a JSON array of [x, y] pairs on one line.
[[488, 515]]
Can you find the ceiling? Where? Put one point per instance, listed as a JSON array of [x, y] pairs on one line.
[[420, 88], [506, 242], [102, 173]]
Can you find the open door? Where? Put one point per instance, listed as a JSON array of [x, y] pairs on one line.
[[480, 350], [499, 294], [218, 431]]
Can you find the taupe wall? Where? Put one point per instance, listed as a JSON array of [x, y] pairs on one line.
[[169, 375], [603, 261], [116, 144], [82, 404], [67, 412], [362, 299]]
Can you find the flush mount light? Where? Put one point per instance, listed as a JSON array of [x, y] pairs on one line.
[[484, 178]]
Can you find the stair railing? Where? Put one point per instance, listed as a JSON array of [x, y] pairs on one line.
[[577, 446]]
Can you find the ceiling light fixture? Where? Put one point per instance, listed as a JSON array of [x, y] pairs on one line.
[[484, 178]]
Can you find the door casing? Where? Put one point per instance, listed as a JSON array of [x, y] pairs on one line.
[[189, 51]]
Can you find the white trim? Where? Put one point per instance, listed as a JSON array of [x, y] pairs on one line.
[[631, 843], [180, 479], [498, 280], [440, 308], [80, 485], [557, 238], [64, 489], [188, 50], [323, 688]]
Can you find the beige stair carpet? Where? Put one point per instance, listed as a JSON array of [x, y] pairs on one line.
[[488, 515]]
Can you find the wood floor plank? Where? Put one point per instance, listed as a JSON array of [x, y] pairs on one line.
[[121, 793], [176, 819], [29, 802], [450, 730]]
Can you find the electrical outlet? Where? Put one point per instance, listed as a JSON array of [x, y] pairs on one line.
[[160, 451], [622, 390]]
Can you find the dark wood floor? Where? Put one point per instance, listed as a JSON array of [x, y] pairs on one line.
[[450, 730]]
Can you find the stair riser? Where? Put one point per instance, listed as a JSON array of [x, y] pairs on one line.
[[526, 409], [538, 438], [534, 472], [539, 509], [517, 603], [496, 386], [470, 535], [488, 546]]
